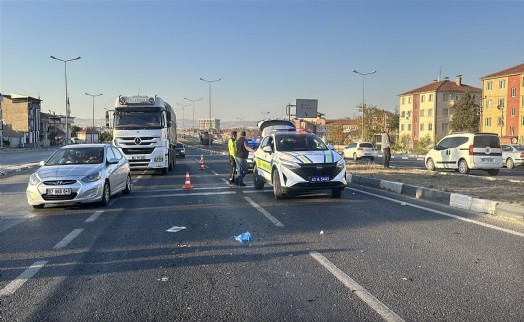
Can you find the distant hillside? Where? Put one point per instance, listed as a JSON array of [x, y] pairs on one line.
[[81, 122]]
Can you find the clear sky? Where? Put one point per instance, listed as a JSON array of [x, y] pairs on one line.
[[268, 53]]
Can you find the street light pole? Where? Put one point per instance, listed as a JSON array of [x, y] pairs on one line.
[[183, 106], [363, 104], [501, 108], [66, 94], [209, 82], [193, 101], [93, 129]]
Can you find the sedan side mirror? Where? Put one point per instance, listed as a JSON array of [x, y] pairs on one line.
[[112, 161]]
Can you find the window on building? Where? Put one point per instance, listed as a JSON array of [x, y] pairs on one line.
[[512, 130], [445, 112], [489, 103], [446, 97], [415, 120], [402, 127], [502, 83], [457, 97], [409, 100], [409, 127], [522, 121], [422, 97], [403, 100], [403, 114], [512, 111], [430, 98], [513, 92], [422, 113], [409, 114], [488, 121], [501, 102], [430, 112], [421, 127], [430, 127], [501, 121], [444, 127], [489, 86]]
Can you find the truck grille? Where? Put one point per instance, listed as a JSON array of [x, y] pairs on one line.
[[131, 151]]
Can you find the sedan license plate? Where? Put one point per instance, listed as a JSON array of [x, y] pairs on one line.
[[138, 157], [318, 179], [487, 159], [59, 191]]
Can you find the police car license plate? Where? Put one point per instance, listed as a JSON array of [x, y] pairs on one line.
[[59, 191], [318, 179]]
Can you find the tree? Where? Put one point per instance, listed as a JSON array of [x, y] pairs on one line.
[[336, 134], [466, 116], [106, 136], [74, 130]]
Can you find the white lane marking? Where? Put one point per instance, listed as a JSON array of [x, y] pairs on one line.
[[516, 233], [182, 194], [358, 290], [257, 191], [135, 181], [214, 172], [264, 212], [22, 278], [225, 180], [94, 216], [180, 189], [67, 239]]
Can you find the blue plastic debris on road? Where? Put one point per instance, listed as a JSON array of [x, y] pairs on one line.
[[245, 237]]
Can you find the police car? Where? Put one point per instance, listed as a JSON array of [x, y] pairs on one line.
[[291, 161]]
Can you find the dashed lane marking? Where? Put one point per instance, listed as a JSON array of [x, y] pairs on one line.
[[22, 278], [67, 239], [264, 212]]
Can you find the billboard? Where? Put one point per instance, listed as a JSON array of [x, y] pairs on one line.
[[307, 108]]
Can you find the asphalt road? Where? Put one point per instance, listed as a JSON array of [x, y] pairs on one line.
[[368, 256]]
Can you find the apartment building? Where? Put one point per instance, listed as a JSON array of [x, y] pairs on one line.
[[426, 111], [503, 104], [21, 120]]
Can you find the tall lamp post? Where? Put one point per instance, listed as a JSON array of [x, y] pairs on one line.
[[93, 129], [193, 101], [363, 104], [501, 122], [183, 113], [66, 94], [209, 82]]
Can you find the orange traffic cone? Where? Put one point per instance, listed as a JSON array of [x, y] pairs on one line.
[[188, 182], [202, 162]]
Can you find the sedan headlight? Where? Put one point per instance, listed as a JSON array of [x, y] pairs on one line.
[[341, 164], [290, 165], [95, 176], [34, 179]]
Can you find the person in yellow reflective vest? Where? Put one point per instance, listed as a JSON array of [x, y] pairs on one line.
[[231, 146]]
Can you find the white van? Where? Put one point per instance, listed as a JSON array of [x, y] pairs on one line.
[[466, 151]]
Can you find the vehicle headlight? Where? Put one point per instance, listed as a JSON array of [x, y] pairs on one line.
[[159, 158], [290, 165], [95, 176], [34, 179], [341, 163]]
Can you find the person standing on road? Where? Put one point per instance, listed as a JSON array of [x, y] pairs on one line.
[[242, 154], [386, 147], [231, 146]]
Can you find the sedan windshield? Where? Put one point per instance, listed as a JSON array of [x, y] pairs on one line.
[[300, 142], [77, 156]]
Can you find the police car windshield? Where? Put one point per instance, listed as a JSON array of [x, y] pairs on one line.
[[299, 142]]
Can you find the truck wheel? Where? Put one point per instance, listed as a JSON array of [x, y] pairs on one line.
[[277, 187]]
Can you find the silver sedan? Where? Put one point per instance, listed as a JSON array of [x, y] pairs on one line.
[[512, 155], [79, 174]]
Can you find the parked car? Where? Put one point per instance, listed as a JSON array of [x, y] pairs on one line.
[[292, 161], [465, 151], [79, 174], [180, 150], [512, 155], [359, 150], [254, 144]]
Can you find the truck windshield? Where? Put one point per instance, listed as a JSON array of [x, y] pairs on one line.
[[138, 120]]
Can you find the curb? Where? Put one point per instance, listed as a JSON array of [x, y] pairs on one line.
[[455, 200]]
